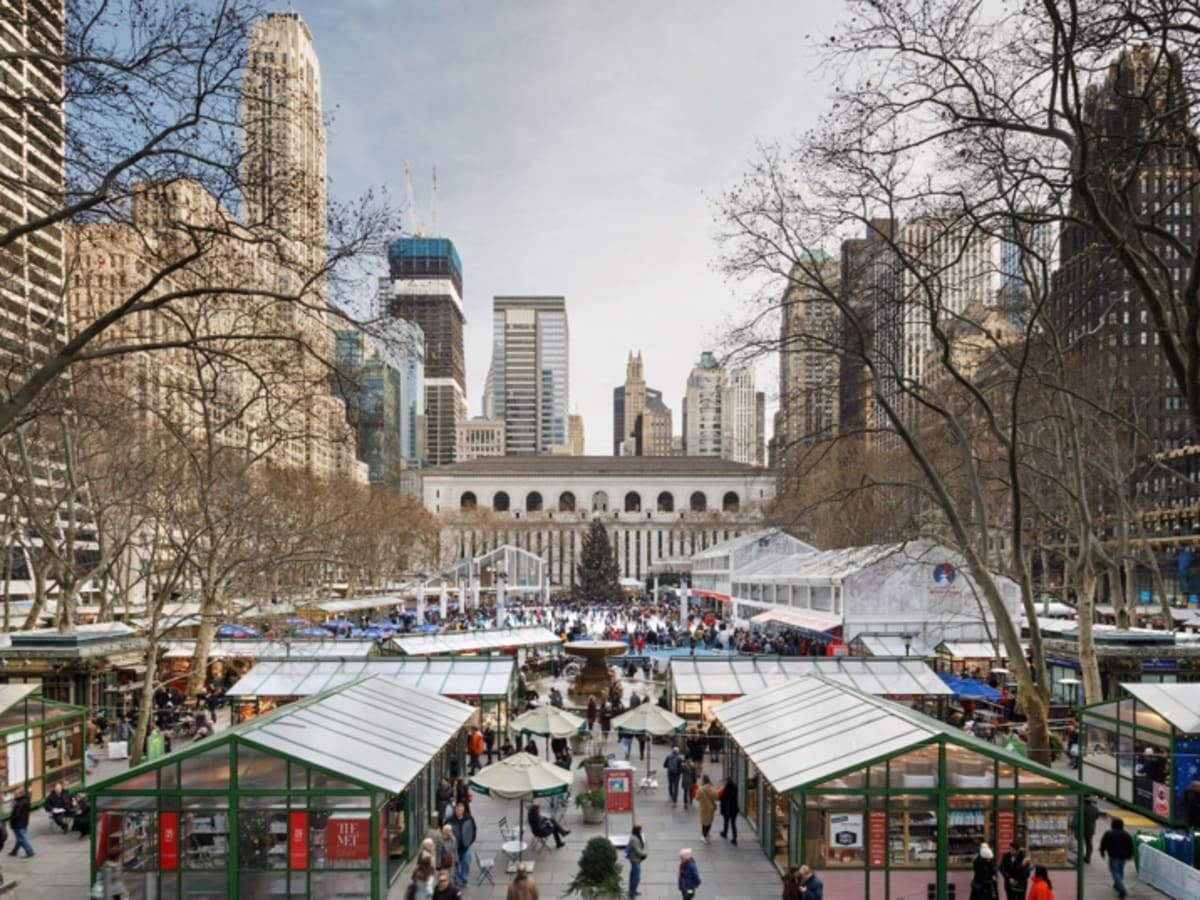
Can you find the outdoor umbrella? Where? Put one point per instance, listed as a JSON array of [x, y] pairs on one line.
[[648, 718], [311, 631], [232, 630], [522, 777], [549, 721]]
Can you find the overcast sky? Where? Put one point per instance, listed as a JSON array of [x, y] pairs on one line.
[[577, 145]]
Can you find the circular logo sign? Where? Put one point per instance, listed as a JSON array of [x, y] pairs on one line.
[[944, 573]]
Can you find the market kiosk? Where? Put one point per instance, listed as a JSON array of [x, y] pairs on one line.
[[885, 802], [1143, 750], [41, 741], [487, 683], [328, 797]]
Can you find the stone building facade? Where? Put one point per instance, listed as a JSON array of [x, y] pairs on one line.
[[656, 508]]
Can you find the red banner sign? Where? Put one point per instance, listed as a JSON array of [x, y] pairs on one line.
[[297, 839], [618, 790], [168, 840], [348, 838], [877, 828], [1006, 829]]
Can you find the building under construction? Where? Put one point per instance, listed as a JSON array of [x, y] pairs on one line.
[[427, 290]]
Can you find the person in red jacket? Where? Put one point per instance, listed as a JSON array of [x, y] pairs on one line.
[[1040, 887], [475, 749]]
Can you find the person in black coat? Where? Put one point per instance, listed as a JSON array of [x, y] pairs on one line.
[[19, 822], [983, 884], [729, 809], [58, 804]]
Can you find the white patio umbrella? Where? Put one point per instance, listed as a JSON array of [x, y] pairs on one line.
[[521, 776], [649, 718], [548, 721]]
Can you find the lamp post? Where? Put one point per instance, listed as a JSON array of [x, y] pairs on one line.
[[476, 577], [421, 598]]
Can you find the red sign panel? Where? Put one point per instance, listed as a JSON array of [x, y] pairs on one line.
[[348, 838], [1006, 829], [168, 840], [297, 839], [618, 790], [877, 825]]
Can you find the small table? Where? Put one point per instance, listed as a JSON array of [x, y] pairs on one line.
[[513, 850]]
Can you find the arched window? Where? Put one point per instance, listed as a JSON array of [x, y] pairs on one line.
[[666, 502], [730, 502], [468, 501], [599, 502], [533, 502], [699, 502], [633, 502], [566, 502], [500, 502]]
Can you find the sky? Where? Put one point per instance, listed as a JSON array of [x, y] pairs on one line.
[[579, 148]]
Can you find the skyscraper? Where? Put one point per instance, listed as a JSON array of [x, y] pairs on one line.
[[702, 407], [809, 356], [1144, 176], [739, 417], [426, 289], [283, 170], [32, 184], [641, 421], [283, 185], [530, 356]]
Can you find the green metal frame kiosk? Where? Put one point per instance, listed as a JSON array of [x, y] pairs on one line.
[[327, 797], [886, 803]]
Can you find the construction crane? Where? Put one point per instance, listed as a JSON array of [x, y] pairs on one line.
[[419, 226]]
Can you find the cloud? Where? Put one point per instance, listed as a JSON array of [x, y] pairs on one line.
[[575, 145]]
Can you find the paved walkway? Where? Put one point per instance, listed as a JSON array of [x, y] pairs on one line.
[[60, 868]]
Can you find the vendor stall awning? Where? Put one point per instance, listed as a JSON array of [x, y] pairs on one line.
[[969, 650], [473, 641], [796, 618], [890, 645], [376, 731], [715, 676], [1178, 703], [12, 694], [971, 688], [334, 648], [841, 729], [357, 604], [457, 676]]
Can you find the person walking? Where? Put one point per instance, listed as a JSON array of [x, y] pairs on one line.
[[1117, 845], [729, 810], [791, 884], [674, 766], [983, 884], [445, 850], [687, 781], [635, 851], [445, 890], [19, 822], [475, 749], [1015, 870], [1091, 815], [463, 826], [811, 887], [1041, 888], [489, 740], [424, 877], [707, 800], [522, 887], [689, 874]]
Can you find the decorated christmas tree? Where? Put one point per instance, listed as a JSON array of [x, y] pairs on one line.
[[597, 576]]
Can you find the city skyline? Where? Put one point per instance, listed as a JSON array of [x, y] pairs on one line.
[[641, 134]]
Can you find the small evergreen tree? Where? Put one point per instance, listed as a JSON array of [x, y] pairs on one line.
[[597, 576]]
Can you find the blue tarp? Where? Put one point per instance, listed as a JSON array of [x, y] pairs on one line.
[[971, 688]]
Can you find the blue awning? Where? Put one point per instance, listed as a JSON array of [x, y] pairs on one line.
[[970, 688]]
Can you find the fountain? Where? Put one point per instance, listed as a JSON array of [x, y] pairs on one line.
[[594, 678]]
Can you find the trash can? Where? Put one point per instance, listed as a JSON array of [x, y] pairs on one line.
[[1153, 838], [1178, 845]]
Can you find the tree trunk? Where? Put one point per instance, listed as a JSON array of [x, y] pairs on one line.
[[146, 704], [205, 636], [1089, 663]]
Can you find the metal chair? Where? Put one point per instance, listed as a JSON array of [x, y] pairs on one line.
[[484, 869]]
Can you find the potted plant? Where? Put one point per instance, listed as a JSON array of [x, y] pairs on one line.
[[599, 874], [593, 764], [591, 804]]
